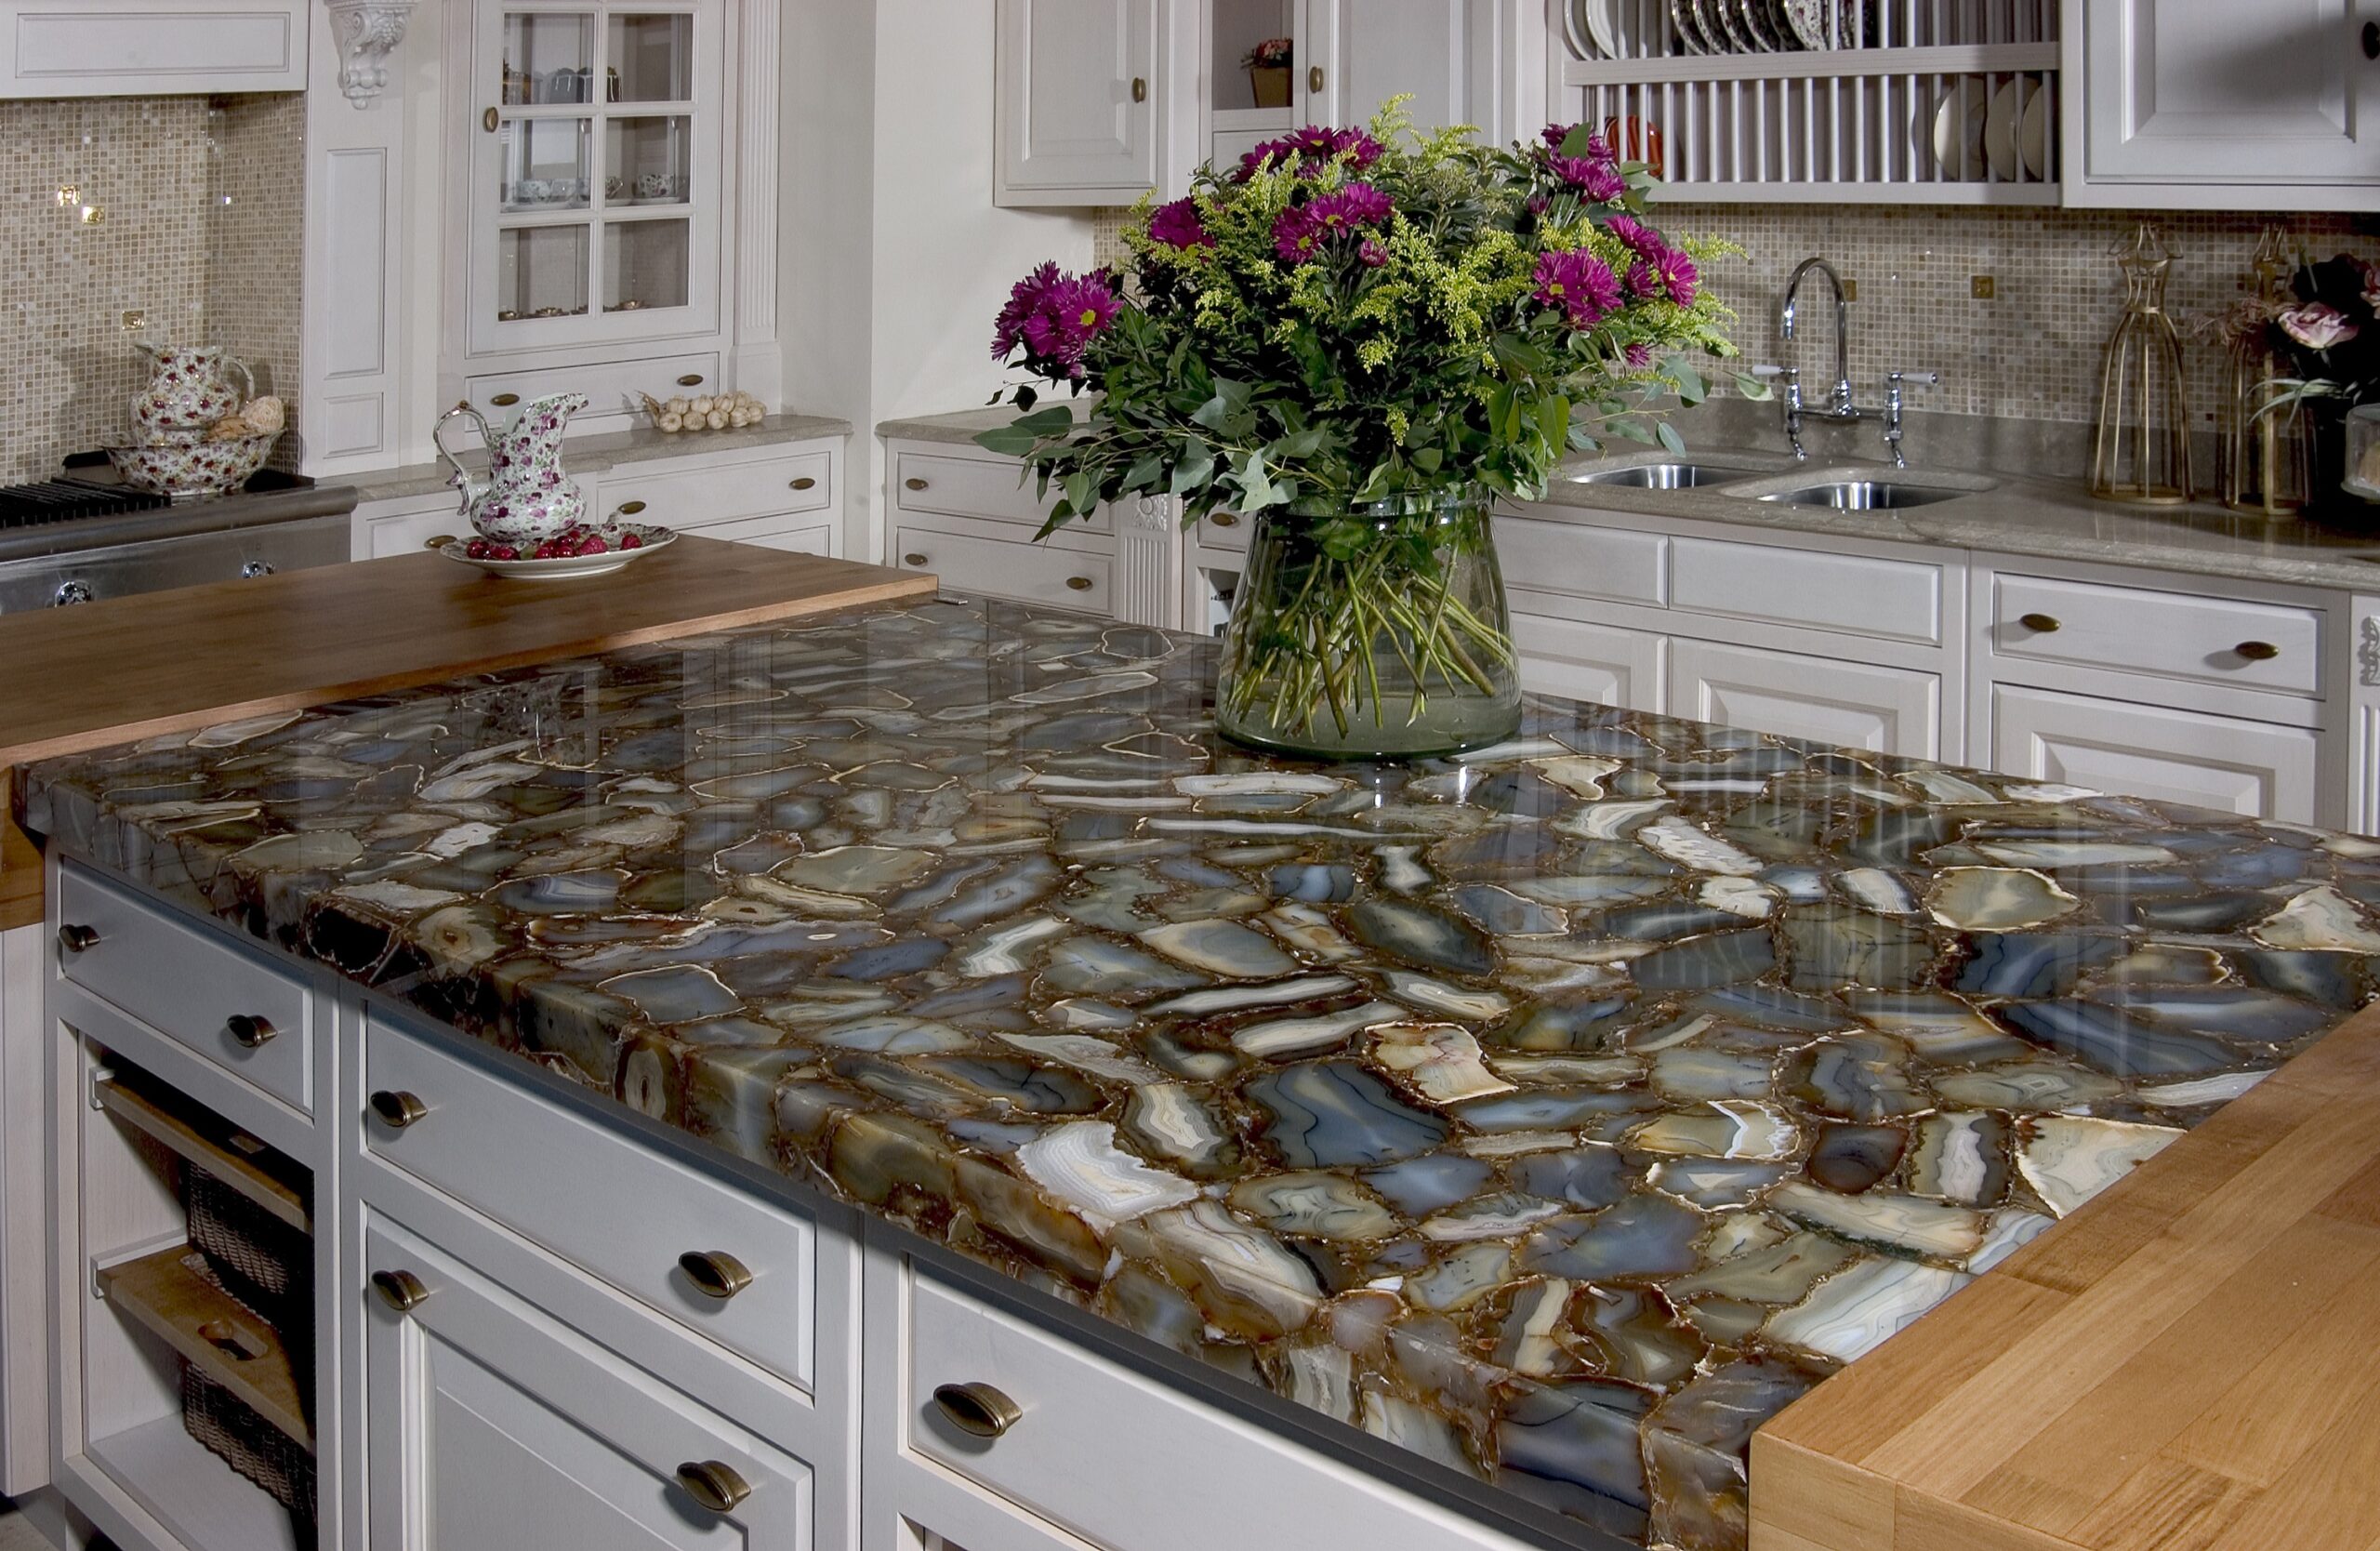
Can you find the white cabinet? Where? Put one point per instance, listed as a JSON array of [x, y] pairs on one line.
[[2274, 99], [2225, 763], [1602, 663], [1076, 103], [491, 1425], [1892, 710], [1448, 55], [24, 1229], [151, 47]]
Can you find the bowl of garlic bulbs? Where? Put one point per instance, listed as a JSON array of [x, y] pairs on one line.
[[725, 412]]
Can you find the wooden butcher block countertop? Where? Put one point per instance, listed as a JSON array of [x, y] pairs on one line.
[[2191, 1362], [112, 672]]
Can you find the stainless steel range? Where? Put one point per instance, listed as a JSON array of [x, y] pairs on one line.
[[83, 537]]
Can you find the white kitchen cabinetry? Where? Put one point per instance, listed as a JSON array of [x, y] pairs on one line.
[[1591, 662], [24, 1227], [1890, 710], [1079, 103], [2224, 762], [152, 47], [2250, 104], [492, 1425]]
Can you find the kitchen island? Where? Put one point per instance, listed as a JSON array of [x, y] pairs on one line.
[[1543, 1122]]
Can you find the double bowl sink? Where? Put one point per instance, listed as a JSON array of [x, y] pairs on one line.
[[1835, 488]]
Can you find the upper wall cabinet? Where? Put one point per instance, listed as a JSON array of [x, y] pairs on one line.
[[2257, 104], [1446, 55], [151, 47], [1078, 101]]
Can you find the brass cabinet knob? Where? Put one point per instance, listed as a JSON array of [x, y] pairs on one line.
[[402, 1290], [1140, 89], [77, 939], [804, 483], [2257, 650], [490, 119], [913, 560], [395, 1109], [438, 541], [715, 1273], [505, 401], [692, 380], [629, 509], [716, 1485], [977, 1410], [2041, 624], [1226, 519], [914, 484], [249, 1030], [1080, 584], [1313, 78]]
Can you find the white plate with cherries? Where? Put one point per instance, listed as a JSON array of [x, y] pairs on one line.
[[577, 551]]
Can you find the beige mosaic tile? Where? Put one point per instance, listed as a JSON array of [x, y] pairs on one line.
[[153, 168]]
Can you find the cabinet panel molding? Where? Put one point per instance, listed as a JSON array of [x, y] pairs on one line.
[[1892, 710], [2251, 768]]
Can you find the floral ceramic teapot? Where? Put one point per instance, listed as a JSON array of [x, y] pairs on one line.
[[525, 499], [188, 392]]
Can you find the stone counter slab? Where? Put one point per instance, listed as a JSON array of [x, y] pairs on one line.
[[1559, 1113]]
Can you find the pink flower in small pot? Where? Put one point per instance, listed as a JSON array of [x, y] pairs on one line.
[[2318, 326], [2372, 286]]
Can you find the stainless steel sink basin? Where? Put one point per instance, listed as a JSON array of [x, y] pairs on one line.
[[1664, 476], [1863, 494]]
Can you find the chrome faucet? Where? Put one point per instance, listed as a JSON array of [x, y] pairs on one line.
[[1838, 404]]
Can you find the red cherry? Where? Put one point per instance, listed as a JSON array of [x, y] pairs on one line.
[[592, 545], [477, 548], [503, 552], [631, 541]]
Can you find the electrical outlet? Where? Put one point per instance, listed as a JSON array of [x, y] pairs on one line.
[[1984, 287], [94, 215], [134, 318], [1850, 289], [69, 194]]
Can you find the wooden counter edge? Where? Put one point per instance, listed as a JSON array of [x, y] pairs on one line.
[[2185, 1363]]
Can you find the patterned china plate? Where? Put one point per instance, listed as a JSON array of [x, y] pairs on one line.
[[1811, 19], [1756, 23], [1719, 24], [650, 538], [1688, 29]]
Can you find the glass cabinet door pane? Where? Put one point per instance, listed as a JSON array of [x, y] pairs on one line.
[[548, 56], [645, 264], [545, 164], [647, 161], [653, 58], [541, 272]]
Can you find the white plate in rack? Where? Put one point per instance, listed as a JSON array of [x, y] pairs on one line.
[[1961, 157], [650, 539], [2016, 129], [1600, 28]]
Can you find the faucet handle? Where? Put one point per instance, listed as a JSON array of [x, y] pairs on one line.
[[1922, 379], [1794, 372]]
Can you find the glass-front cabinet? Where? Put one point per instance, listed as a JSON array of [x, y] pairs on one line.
[[596, 185]]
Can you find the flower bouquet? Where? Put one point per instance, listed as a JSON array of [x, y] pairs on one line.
[[1268, 71], [1361, 336], [2322, 334]]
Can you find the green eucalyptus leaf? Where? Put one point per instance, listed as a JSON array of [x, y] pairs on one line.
[[1669, 438]]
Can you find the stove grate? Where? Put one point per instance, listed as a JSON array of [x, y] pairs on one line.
[[62, 500]]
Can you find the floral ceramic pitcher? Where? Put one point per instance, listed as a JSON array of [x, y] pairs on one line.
[[188, 391], [526, 499]]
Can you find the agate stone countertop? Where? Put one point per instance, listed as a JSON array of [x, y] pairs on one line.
[[1995, 512], [1558, 1113]]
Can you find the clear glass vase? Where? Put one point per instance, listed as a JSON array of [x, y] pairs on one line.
[[1376, 631]]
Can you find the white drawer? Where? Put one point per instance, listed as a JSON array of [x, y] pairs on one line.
[[693, 499], [2172, 635], [612, 388], [1101, 1451], [616, 1208], [1895, 600], [957, 485], [403, 533], [796, 535], [1579, 560], [191, 981], [1224, 530], [1026, 572]]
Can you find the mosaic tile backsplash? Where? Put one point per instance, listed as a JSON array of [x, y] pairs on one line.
[[200, 200], [2032, 352]]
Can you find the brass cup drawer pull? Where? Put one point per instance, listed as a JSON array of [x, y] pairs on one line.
[[2040, 624], [1080, 584], [72, 939], [804, 483], [629, 509], [1225, 519], [402, 1290], [715, 1273], [913, 559], [692, 380], [397, 1109], [914, 484], [2257, 650], [439, 541], [977, 1410], [247, 1030], [713, 1483], [505, 401]]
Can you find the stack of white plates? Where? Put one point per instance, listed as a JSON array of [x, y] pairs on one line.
[[1977, 131]]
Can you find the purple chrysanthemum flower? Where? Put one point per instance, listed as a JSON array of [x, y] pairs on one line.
[[1599, 180], [1579, 283], [1372, 254], [1554, 135], [1054, 316], [1177, 225], [1344, 209], [1642, 240], [1669, 276], [1296, 234], [1308, 148], [1639, 356]]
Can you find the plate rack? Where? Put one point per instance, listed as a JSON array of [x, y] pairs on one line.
[[1934, 101]]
